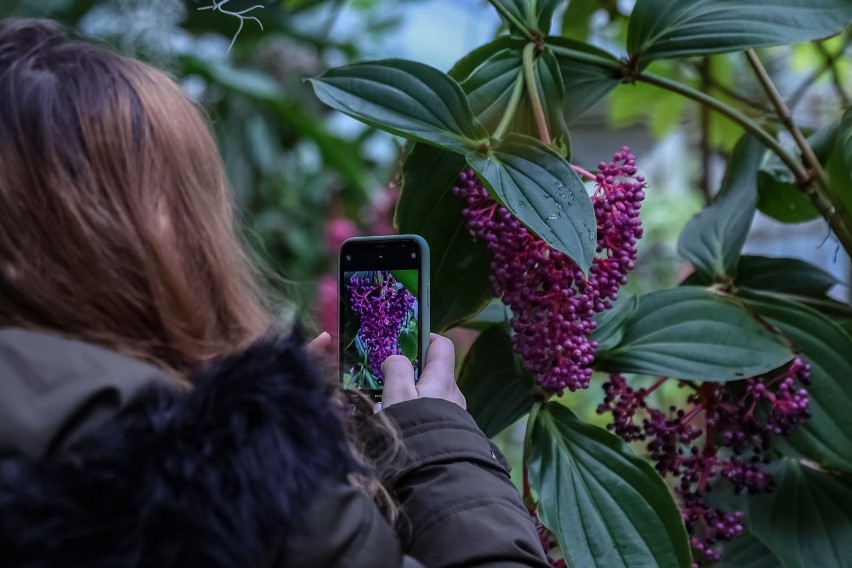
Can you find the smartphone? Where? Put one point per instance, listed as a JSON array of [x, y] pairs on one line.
[[384, 293]]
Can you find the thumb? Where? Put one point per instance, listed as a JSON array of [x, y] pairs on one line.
[[399, 380]]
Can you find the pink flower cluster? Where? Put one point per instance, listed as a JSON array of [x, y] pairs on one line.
[[724, 434], [382, 307], [553, 305]]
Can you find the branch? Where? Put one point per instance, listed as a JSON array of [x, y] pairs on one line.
[[835, 218], [219, 6]]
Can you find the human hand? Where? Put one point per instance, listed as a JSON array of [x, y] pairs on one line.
[[436, 381], [321, 346]]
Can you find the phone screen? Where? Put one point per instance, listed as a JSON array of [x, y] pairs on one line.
[[380, 309]]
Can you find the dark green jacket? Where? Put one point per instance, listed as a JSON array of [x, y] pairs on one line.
[[104, 463]]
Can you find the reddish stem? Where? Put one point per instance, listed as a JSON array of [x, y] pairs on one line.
[[584, 172], [656, 385]]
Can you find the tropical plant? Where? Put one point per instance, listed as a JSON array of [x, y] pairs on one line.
[[752, 462]]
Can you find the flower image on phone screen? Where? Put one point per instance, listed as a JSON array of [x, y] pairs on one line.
[[380, 319]]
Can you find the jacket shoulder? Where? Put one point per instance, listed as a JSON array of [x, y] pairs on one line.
[[218, 476]]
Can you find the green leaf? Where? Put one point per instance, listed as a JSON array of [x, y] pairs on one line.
[[488, 76], [405, 98], [408, 344], [844, 140], [807, 520], [782, 200], [826, 437], [427, 207], [497, 389], [530, 14], [746, 551], [778, 195], [668, 29], [542, 190], [785, 275], [610, 329], [606, 506], [408, 279], [588, 73], [692, 333], [496, 312], [713, 239]]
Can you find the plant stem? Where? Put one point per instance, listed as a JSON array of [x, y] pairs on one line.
[[532, 91], [837, 218], [513, 20], [584, 172], [511, 108]]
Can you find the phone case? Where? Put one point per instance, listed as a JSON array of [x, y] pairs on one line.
[[425, 281]]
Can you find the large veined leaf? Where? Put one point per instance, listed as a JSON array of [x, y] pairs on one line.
[[542, 190], [785, 275], [807, 519], [405, 98], [666, 29], [488, 75], [713, 239], [427, 207], [497, 389], [529, 14], [746, 551], [610, 324], [588, 72], [826, 437], [606, 506], [692, 333]]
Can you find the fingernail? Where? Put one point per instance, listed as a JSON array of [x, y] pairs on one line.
[[377, 407]]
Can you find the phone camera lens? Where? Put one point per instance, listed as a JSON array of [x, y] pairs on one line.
[[414, 255], [348, 258]]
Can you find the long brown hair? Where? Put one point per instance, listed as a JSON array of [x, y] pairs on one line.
[[116, 221]]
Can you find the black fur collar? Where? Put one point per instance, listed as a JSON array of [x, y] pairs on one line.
[[216, 477]]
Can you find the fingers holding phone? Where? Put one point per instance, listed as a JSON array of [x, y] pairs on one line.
[[437, 380]]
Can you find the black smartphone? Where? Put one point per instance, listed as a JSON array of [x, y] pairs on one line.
[[384, 293]]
